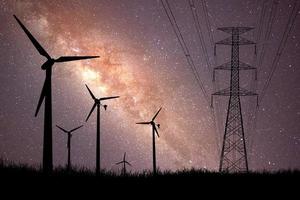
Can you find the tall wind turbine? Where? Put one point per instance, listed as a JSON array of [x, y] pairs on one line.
[[154, 130], [97, 102], [69, 142], [46, 94], [124, 162]]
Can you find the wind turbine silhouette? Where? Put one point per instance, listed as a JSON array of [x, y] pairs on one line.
[[97, 102], [154, 130], [69, 142], [124, 162], [46, 94]]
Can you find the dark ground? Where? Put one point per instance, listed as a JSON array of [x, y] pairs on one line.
[[23, 176]]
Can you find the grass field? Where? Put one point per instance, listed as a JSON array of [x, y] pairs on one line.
[[10, 169], [17, 177]]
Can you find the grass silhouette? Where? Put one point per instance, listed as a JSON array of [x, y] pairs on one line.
[[10, 169], [22, 177]]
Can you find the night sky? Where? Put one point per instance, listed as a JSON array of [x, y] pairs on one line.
[[142, 61]]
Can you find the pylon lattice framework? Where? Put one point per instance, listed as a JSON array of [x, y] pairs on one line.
[[234, 153]]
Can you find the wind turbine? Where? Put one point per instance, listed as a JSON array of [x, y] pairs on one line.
[[124, 162], [46, 94], [69, 142], [154, 130], [97, 102]]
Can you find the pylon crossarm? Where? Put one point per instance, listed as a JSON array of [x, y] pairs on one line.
[[239, 30], [228, 92], [240, 41], [244, 41], [224, 92], [245, 92], [242, 66], [227, 41]]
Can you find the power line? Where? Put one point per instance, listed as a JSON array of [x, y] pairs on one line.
[[253, 86], [270, 24], [260, 28], [288, 28], [207, 22], [183, 45], [216, 113], [185, 49], [199, 31]]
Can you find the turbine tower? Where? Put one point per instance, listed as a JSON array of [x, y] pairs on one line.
[[154, 130], [124, 163], [69, 142], [97, 102], [46, 94], [234, 153]]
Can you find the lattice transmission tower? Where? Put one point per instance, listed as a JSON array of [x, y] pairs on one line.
[[234, 153]]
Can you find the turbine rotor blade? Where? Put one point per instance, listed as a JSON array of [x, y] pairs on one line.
[[91, 112], [119, 163], [128, 163], [155, 130], [74, 58], [92, 95], [62, 129], [124, 156], [42, 96], [36, 44], [76, 128], [106, 98], [143, 123], [156, 114]]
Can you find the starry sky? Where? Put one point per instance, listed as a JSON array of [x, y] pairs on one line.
[[142, 61]]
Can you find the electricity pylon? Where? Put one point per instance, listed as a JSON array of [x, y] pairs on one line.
[[234, 153]]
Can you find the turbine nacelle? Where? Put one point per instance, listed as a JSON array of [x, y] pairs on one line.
[[69, 132], [47, 64], [152, 123], [98, 101]]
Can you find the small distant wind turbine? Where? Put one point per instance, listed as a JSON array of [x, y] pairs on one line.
[[154, 130], [97, 102], [69, 142], [46, 94], [124, 162]]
